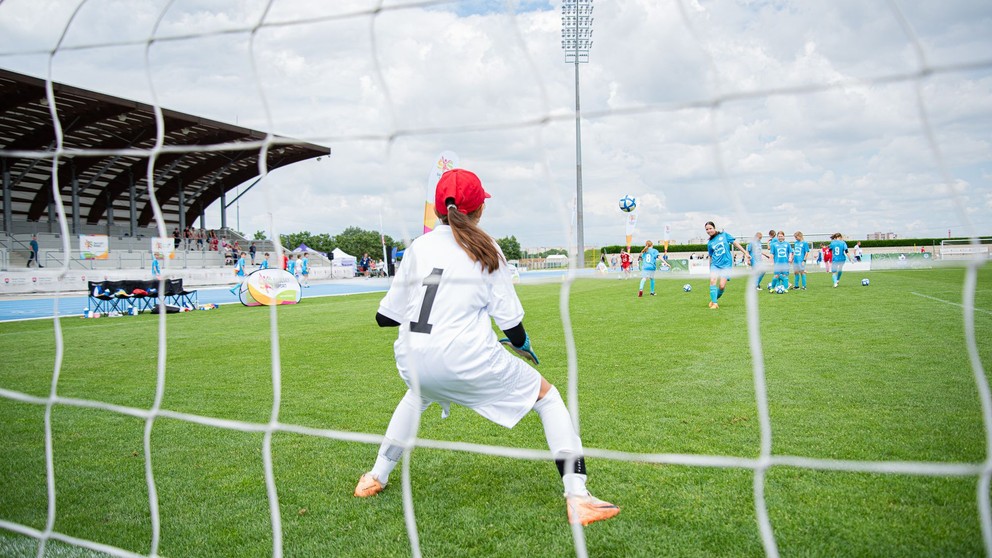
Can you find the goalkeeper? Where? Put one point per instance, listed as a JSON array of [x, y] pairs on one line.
[[453, 282]]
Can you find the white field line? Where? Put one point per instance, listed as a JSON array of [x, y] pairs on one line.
[[952, 303]]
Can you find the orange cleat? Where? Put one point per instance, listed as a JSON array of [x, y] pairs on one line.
[[368, 485], [588, 509], [714, 306]]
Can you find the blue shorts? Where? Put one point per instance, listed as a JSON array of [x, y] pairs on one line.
[[799, 267], [647, 273]]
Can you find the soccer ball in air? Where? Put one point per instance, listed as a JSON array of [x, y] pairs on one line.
[[865, 282], [628, 204], [687, 287], [780, 289]]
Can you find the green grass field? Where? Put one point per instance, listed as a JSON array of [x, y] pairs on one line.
[[869, 374]]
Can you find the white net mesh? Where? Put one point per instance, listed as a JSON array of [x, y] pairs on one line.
[[755, 99]]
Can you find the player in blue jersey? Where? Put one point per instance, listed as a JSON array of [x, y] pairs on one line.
[[781, 260], [800, 249], [265, 262], [649, 263], [305, 270], [156, 267], [754, 250], [772, 242], [721, 250], [239, 272], [838, 251], [291, 266]]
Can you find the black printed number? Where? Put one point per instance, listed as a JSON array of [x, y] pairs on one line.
[[431, 282]]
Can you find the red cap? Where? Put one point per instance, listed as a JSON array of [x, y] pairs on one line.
[[462, 185]]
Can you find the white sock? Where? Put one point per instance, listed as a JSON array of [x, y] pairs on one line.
[[562, 439], [402, 428]]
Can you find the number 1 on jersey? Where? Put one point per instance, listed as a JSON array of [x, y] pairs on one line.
[[431, 282]]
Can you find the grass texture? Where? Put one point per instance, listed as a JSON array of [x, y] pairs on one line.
[[878, 373]]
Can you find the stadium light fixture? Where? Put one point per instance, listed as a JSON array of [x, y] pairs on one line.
[[576, 41]]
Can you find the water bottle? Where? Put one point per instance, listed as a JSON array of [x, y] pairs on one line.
[[86, 312]]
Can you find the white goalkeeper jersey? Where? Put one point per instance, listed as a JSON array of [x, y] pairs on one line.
[[445, 305]]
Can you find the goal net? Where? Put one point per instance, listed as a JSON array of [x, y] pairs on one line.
[[820, 116]]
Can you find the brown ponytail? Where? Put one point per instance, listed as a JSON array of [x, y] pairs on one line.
[[476, 242]]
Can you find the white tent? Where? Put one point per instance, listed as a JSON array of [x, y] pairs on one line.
[[343, 265]]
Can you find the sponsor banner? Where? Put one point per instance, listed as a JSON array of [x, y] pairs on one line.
[[674, 266], [94, 246], [270, 287], [164, 247]]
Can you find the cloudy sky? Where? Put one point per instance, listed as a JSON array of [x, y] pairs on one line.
[[815, 115]]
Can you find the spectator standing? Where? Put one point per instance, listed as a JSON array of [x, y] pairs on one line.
[[365, 264], [251, 252], [34, 251], [857, 252]]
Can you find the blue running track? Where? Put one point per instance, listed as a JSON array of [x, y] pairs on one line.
[[31, 307]]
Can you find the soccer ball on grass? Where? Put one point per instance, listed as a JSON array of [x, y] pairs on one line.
[[687, 287], [865, 282], [628, 204], [779, 289]]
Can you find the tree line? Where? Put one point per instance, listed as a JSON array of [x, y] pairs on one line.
[[357, 241]]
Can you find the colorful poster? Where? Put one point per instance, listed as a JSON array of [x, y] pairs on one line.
[[270, 287], [94, 246], [446, 161], [164, 247]]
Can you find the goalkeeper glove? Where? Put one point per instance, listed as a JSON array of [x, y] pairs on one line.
[[523, 351]]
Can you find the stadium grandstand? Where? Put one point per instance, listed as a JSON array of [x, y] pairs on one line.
[[102, 169]]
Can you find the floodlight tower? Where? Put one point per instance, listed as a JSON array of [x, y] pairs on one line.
[[576, 41]]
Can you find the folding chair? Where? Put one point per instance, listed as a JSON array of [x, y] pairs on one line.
[[187, 298], [99, 299], [177, 295]]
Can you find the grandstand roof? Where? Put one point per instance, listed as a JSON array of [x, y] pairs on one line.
[[95, 121]]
